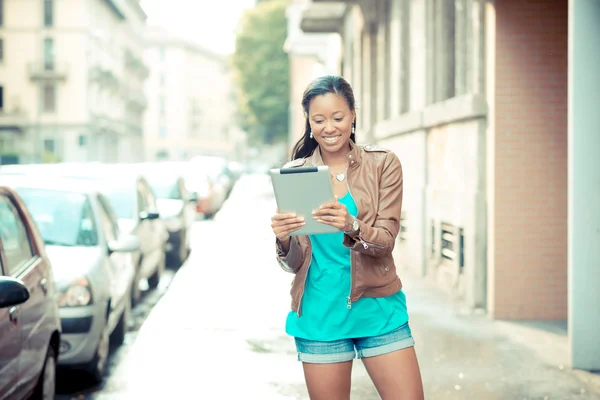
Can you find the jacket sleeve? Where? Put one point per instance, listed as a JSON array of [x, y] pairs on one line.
[[379, 240], [293, 259]]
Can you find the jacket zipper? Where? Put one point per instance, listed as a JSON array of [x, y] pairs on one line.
[[305, 276], [367, 244], [349, 298]]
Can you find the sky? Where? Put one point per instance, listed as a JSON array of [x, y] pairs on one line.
[[210, 23]]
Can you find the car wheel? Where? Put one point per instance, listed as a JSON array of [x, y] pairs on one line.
[[136, 293], [46, 385], [97, 366], [154, 279], [183, 251], [118, 336]]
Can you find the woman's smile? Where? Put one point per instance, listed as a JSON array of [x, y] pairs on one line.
[[331, 139]]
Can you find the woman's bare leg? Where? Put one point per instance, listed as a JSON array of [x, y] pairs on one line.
[[396, 375], [328, 381]]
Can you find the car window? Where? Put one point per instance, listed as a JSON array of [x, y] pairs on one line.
[[109, 224], [15, 240], [121, 196], [166, 188], [63, 218], [149, 198], [141, 198]]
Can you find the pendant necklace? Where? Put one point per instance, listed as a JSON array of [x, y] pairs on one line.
[[341, 176]]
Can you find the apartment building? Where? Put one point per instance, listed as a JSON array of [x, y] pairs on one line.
[[311, 55], [71, 80], [492, 108], [190, 100]]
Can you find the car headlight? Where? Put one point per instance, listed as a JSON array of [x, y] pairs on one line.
[[77, 294]]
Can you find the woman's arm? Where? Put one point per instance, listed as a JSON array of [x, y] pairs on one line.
[[379, 239]]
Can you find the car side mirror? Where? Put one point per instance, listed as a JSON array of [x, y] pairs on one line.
[[125, 244], [12, 292], [150, 215]]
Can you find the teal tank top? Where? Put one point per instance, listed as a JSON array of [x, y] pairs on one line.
[[325, 314]]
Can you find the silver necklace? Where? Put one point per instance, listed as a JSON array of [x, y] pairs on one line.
[[341, 176]]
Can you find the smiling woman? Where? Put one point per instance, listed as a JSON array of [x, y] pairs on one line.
[[347, 300]]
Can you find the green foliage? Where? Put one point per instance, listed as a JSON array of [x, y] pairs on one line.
[[261, 69]]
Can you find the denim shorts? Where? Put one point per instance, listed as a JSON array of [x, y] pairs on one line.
[[311, 351]]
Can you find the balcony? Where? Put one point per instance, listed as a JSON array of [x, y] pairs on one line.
[[105, 78], [136, 64], [44, 71], [136, 98], [13, 121], [326, 17]]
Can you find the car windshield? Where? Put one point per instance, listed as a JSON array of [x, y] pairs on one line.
[[63, 218], [164, 188], [122, 199]]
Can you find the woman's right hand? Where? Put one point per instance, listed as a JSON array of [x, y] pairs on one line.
[[285, 223]]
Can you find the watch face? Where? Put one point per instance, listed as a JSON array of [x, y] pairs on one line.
[[355, 225]]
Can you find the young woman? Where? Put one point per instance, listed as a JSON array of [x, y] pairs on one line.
[[347, 300]]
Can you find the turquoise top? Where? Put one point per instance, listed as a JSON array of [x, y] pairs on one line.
[[325, 312]]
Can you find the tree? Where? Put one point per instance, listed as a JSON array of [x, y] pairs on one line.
[[261, 68]]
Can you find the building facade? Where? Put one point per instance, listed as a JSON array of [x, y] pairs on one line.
[[190, 100], [71, 80], [311, 55], [479, 100]]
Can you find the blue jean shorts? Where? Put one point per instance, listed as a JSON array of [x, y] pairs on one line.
[[315, 352]]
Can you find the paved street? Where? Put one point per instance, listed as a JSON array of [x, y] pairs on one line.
[[216, 331]]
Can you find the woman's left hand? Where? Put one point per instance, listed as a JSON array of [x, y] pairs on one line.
[[335, 214]]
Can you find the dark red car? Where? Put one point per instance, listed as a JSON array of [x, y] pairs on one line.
[[29, 319]]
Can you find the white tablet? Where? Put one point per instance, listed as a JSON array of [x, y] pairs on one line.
[[302, 190]]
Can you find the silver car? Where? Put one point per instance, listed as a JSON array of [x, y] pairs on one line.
[[92, 265]]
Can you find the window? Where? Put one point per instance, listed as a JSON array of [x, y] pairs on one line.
[[49, 145], [107, 216], [48, 13], [405, 57], [443, 49], [48, 54], [162, 131], [161, 52], [1, 13], [1, 49], [15, 240], [82, 139], [49, 97], [163, 105], [142, 201], [1, 96]]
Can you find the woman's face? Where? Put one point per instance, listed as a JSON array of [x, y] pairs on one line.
[[331, 121]]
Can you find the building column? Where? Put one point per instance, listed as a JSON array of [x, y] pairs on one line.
[[584, 184]]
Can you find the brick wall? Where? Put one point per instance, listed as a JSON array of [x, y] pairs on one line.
[[530, 236]]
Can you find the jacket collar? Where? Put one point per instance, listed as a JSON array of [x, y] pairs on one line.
[[354, 156]]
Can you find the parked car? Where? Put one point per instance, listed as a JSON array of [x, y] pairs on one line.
[[133, 201], [175, 205], [30, 331], [92, 266], [215, 169], [203, 193]]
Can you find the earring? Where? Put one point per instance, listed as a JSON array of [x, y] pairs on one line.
[[353, 129], [311, 134]]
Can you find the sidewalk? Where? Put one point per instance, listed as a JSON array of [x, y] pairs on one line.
[[465, 355], [219, 332]]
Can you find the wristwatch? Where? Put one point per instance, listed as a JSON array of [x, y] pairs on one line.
[[355, 227]]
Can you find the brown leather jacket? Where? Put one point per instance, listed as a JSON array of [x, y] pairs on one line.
[[374, 179]]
